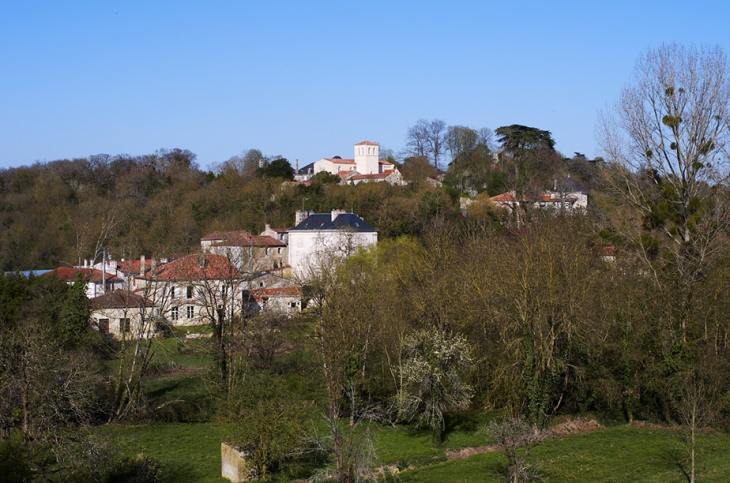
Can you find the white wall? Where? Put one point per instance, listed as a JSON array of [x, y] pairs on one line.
[[307, 249]]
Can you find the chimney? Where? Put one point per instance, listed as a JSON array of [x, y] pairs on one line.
[[300, 217], [336, 213], [268, 227], [297, 165], [141, 266]]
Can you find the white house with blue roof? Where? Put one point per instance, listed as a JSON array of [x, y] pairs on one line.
[[320, 238]]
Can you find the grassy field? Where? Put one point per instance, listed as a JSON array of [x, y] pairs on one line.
[[188, 446], [191, 452]]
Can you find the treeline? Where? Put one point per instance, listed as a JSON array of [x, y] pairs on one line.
[[554, 324], [63, 212], [66, 211]]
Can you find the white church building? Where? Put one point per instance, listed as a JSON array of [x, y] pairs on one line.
[[365, 167]]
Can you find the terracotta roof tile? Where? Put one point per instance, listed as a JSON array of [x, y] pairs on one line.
[[367, 143], [504, 197], [133, 266], [196, 267], [277, 292]]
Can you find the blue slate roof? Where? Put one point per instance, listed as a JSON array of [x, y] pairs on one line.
[[569, 185], [344, 221]]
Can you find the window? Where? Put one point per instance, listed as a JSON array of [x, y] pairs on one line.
[[173, 313], [124, 325], [278, 251], [293, 305], [190, 311], [172, 292], [261, 284], [190, 292], [104, 326], [267, 250]]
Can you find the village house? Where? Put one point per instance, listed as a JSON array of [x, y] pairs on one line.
[[320, 237], [281, 234], [97, 282], [249, 253], [279, 300], [566, 195], [124, 314], [194, 289]]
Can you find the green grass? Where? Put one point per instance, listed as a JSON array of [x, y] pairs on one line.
[[191, 452], [187, 452], [617, 454]]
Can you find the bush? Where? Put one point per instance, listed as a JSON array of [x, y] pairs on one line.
[[14, 466], [142, 469]]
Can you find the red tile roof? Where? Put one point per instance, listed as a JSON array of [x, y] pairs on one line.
[[508, 196], [196, 267], [89, 274], [340, 161], [120, 299], [367, 143], [385, 163], [133, 266], [260, 293]]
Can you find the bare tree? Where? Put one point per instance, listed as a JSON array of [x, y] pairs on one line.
[[694, 406], [666, 142], [517, 439], [351, 446], [140, 319], [427, 138]]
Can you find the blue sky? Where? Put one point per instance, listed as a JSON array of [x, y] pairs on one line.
[[310, 79]]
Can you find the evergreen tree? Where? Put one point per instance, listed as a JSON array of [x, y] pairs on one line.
[[74, 317]]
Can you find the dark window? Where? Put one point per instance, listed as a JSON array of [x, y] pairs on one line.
[[190, 292], [190, 311], [124, 325], [104, 326]]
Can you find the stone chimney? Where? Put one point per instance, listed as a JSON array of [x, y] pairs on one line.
[[300, 217], [336, 213], [141, 266]]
